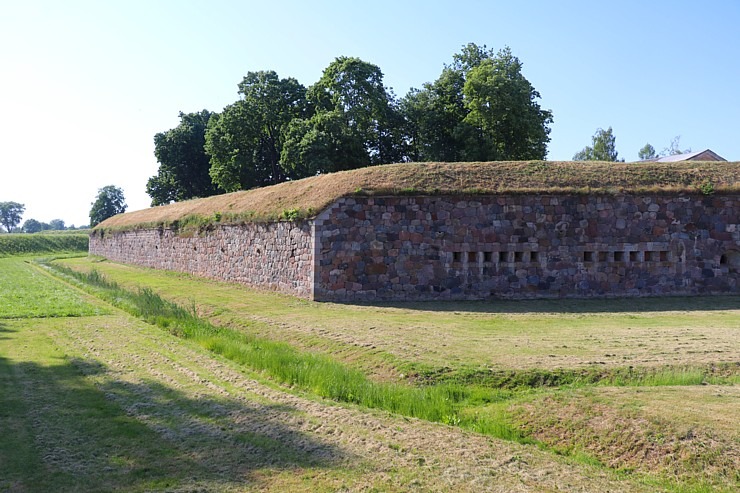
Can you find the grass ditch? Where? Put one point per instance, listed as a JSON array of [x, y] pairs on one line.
[[314, 373]]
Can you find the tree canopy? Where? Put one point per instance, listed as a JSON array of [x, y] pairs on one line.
[[11, 214], [245, 141], [480, 108], [602, 148], [108, 203], [183, 163]]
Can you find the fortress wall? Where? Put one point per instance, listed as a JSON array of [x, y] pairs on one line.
[[527, 246], [277, 256]]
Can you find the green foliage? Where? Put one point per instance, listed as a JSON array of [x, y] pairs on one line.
[[480, 109], [706, 187], [603, 148], [11, 214], [502, 104], [647, 152], [40, 244], [108, 203], [183, 163], [356, 123], [245, 141]]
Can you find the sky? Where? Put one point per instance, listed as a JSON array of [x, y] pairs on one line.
[[85, 85]]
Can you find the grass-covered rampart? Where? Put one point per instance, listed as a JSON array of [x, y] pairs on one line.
[[307, 197], [42, 243]]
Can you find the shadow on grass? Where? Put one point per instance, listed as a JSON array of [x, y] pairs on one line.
[[4, 328], [62, 432], [571, 305]]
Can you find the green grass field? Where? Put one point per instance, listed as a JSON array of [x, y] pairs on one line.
[[43, 243], [240, 390]]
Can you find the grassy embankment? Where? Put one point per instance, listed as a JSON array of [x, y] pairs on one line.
[[602, 423], [43, 243]]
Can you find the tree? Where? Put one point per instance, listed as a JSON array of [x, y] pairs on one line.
[[108, 203], [647, 152], [56, 225], [356, 123], [183, 163], [502, 104], [480, 108], [603, 147], [32, 226], [245, 141], [11, 214]]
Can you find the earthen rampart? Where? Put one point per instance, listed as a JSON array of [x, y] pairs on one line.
[[465, 247]]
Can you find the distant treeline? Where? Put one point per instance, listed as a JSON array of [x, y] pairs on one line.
[[481, 108], [30, 244]]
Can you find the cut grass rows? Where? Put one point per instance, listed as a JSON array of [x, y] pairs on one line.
[[448, 402], [313, 373]]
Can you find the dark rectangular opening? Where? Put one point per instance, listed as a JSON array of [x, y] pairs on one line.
[[518, 256], [603, 256], [472, 257], [588, 256], [457, 256], [619, 256], [534, 256], [664, 256], [633, 256], [650, 256], [488, 256], [503, 256]]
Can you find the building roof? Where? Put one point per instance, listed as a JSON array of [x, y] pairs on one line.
[[705, 155], [308, 197]]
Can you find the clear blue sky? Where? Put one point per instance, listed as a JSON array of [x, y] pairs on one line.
[[86, 84]]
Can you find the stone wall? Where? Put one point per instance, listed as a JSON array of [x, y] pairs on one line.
[[427, 248], [277, 256], [521, 246]]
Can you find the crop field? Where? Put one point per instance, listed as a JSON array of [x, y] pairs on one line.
[[117, 378]]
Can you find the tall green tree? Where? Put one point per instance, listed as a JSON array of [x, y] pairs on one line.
[[57, 225], [603, 147], [480, 108], [245, 141], [108, 203], [356, 122], [11, 214], [647, 152], [183, 163], [32, 226], [503, 105]]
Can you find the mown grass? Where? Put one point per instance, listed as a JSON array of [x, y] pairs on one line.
[[25, 292], [314, 373], [42, 243]]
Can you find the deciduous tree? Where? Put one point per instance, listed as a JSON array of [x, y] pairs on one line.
[[108, 203], [602, 148], [183, 163], [480, 108], [356, 123], [647, 152], [245, 141], [11, 214]]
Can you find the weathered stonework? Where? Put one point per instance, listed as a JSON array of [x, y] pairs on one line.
[[463, 247], [275, 256]]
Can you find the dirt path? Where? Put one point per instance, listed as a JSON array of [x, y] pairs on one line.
[[254, 436]]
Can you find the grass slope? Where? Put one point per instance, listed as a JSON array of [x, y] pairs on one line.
[[42, 243], [309, 196]]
